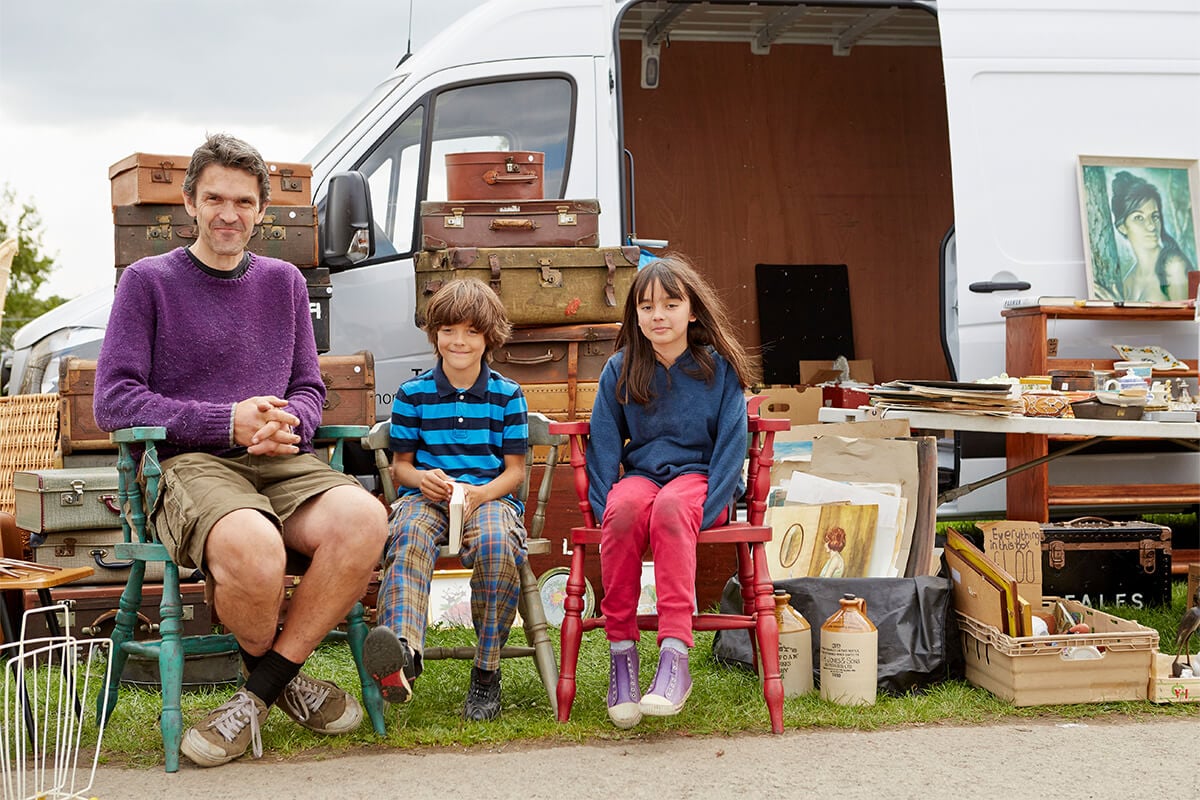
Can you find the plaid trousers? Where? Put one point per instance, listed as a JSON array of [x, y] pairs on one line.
[[493, 546]]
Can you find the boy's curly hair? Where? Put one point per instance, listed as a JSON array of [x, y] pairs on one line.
[[471, 301]]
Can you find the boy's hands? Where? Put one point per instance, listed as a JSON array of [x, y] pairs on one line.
[[437, 486]]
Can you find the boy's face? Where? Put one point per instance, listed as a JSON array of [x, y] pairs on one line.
[[461, 346]]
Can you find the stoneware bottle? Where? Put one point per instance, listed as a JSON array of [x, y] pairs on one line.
[[849, 654], [795, 648]]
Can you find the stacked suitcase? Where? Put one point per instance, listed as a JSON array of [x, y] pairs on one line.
[[149, 219], [564, 294]]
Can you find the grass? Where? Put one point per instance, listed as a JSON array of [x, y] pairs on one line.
[[725, 702]]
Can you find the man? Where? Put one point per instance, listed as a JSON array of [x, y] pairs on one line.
[[216, 345]]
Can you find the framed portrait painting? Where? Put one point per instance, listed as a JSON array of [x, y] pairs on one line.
[[1140, 217]]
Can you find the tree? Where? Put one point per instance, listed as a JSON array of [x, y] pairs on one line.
[[30, 268]]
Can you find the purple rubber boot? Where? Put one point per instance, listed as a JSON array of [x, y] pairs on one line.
[[623, 690]]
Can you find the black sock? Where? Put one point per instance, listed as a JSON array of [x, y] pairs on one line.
[[268, 679], [250, 661]]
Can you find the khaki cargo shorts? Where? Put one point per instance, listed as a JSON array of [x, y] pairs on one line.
[[198, 489]]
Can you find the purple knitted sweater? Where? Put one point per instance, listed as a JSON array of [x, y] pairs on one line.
[[182, 347]]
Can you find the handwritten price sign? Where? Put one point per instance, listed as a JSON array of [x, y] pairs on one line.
[[1017, 548]]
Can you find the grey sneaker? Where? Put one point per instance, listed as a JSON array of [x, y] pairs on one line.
[[389, 660], [226, 733], [320, 706]]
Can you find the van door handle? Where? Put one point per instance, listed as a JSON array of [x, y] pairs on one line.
[[991, 286]]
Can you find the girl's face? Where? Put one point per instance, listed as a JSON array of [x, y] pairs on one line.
[[1143, 226], [664, 321]]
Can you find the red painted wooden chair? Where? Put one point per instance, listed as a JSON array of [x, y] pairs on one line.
[[750, 537]]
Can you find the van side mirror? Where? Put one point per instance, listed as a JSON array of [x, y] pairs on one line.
[[348, 230]]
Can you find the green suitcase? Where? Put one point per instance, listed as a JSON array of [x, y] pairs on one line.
[[538, 285], [49, 500]]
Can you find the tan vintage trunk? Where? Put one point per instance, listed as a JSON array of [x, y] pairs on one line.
[[538, 285], [144, 178]]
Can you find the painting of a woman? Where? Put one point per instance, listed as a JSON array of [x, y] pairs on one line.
[[1140, 221]]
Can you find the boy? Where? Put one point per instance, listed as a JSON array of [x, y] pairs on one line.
[[464, 423]]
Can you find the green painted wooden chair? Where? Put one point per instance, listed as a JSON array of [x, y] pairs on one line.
[[533, 613], [140, 545]]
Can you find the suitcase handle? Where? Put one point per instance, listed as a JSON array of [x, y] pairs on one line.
[[509, 358], [110, 502], [94, 629], [492, 177], [1106, 522], [512, 225], [98, 556]]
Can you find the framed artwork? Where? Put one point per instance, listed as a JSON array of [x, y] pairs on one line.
[[1140, 217], [450, 598]]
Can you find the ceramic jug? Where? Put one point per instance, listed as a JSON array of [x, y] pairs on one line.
[[795, 648], [849, 654]]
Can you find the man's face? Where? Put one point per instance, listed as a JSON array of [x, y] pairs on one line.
[[226, 207]]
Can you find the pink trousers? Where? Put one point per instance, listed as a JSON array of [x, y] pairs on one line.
[[639, 513]]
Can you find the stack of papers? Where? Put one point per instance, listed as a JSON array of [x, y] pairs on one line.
[[990, 399]]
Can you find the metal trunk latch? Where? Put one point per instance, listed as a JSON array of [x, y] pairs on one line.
[[73, 497], [1146, 556], [455, 219], [1058, 554]]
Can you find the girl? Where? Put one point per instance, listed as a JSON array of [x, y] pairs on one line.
[[670, 413]]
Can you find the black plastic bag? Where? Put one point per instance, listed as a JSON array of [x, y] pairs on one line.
[[918, 637]]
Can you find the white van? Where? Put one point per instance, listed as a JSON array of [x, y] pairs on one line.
[[858, 178]]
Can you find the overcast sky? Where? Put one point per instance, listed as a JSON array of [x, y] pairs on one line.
[[84, 83]]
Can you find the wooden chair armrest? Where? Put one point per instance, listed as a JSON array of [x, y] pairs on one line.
[[571, 428], [139, 434], [327, 433], [761, 424]]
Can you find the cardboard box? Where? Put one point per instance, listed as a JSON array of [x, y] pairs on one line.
[[1166, 689], [800, 404], [1112, 662]]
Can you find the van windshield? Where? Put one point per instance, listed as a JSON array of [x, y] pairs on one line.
[[364, 110]]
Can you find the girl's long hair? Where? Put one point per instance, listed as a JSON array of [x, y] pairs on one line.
[[678, 279]]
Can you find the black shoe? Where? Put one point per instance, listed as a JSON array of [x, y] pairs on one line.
[[483, 698]]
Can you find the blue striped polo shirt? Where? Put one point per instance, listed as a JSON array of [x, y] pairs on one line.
[[464, 432]]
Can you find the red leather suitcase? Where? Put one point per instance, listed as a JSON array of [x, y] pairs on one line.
[[510, 223], [495, 175], [556, 354]]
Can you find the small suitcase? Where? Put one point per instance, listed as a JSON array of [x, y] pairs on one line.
[[77, 428], [144, 178], [556, 354], [504, 223], [49, 500], [1099, 562], [286, 232], [349, 389], [92, 548], [538, 285], [562, 401], [495, 175]]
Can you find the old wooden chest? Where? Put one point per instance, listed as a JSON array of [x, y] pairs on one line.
[[286, 232], [143, 178], [66, 499], [1099, 562], [510, 223], [556, 354], [349, 398], [538, 285]]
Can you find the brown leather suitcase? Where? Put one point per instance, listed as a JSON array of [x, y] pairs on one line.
[[538, 285], [349, 398], [495, 175], [349, 389], [556, 354], [505, 223], [146, 178], [93, 609], [286, 232]]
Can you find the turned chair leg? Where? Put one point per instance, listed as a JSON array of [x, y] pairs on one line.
[[533, 616], [572, 634], [766, 631], [170, 665]]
